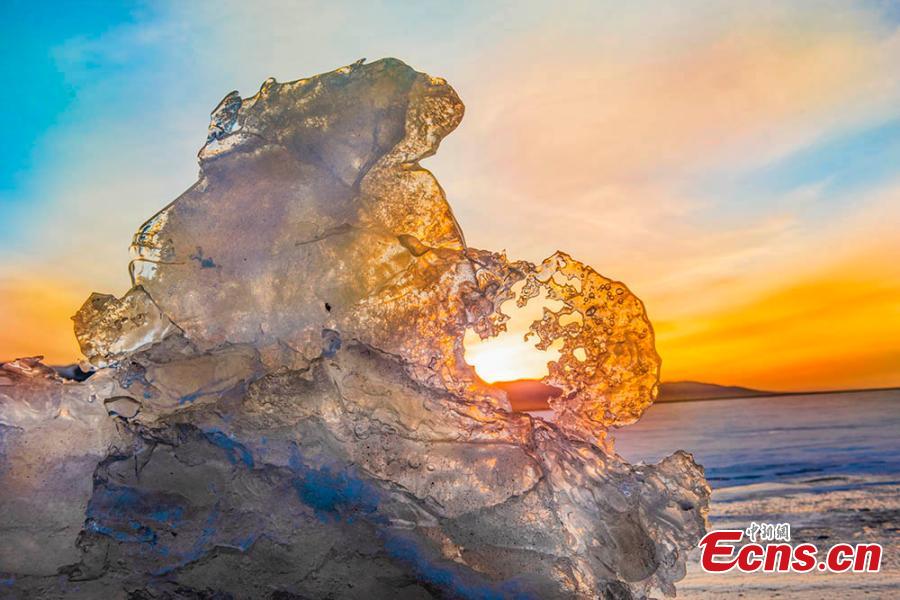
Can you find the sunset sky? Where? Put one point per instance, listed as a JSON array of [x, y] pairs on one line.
[[737, 164]]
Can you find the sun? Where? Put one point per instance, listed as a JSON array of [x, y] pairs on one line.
[[508, 356], [498, 359]]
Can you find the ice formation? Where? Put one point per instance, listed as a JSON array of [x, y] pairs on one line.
[[281, 407]]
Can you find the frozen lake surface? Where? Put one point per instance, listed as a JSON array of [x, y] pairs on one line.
[[821, 438], [828, 464]]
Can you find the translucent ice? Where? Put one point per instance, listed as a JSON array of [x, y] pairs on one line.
[[281, 407]]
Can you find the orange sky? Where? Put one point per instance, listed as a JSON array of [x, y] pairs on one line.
[[835, 328], [734, 164]]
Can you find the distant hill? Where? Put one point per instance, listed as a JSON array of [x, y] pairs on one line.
[[674, 391], [528, 394]]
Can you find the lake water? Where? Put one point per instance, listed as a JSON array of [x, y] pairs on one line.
[[783, 438]]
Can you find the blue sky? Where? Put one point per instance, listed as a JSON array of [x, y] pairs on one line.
[[853, 161], [38, 90]]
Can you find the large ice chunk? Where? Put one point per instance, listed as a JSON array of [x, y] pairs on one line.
[[281, 407]]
